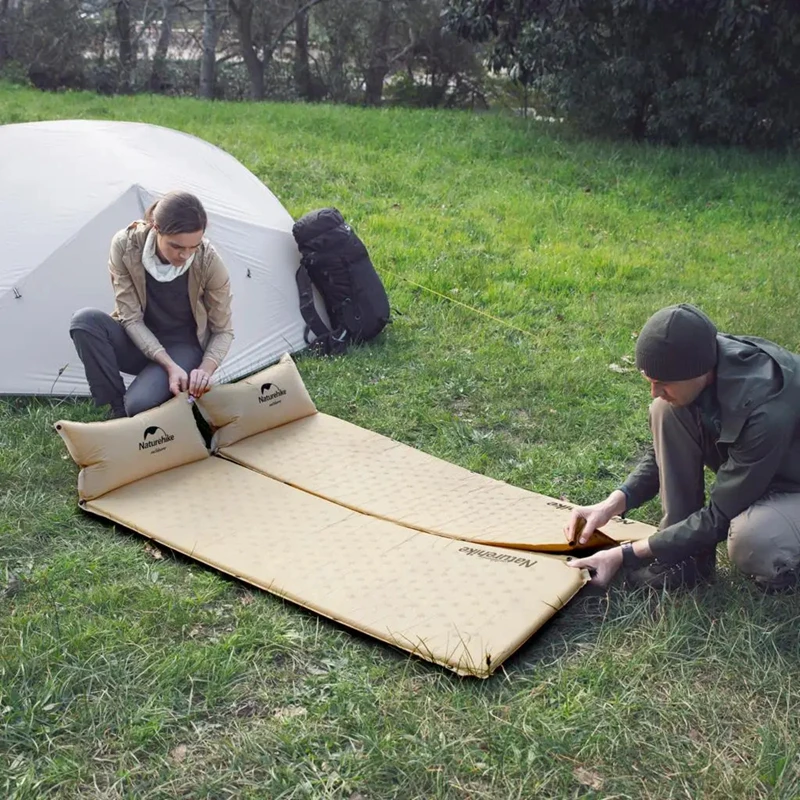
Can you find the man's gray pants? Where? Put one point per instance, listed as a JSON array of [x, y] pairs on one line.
[[764, 540], [107, 351]]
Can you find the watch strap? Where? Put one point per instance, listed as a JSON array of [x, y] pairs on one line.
[[629, 558]]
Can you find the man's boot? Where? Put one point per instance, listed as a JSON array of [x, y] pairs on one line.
[[686, 574], [781, 584]]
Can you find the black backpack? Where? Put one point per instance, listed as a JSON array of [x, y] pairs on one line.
[[336, 261]]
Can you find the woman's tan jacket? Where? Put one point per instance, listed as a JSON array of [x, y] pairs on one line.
[[209, 294]]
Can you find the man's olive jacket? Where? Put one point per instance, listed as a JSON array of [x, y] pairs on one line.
[[758, 444]]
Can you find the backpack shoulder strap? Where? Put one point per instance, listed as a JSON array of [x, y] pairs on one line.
[[313, 320]]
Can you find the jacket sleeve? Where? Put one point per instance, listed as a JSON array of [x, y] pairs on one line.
[[217, 300], [643, 483], [753, 460], [128, 308]]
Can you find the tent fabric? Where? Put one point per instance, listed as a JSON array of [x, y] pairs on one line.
[[376, 475], [466, 608], [70, 185]]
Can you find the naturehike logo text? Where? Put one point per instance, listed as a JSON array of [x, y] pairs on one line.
[[270, 392], [504, 558], [151, 440]]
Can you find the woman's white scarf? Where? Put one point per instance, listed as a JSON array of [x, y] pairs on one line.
[[152, 263]]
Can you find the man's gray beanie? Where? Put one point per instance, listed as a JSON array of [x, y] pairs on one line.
[[677, 343]]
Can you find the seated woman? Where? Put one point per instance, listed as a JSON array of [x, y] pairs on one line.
[[171, 325]]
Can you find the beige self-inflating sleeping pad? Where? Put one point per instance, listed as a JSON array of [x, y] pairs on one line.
[[403, 546], [464, 607], [268, 423], [379, 476]]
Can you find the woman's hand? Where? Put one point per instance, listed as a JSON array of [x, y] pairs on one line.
[[602, 566], [178, 379], [199, 382]]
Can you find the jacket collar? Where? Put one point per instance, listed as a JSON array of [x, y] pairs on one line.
[[750, 371], [137, 236]]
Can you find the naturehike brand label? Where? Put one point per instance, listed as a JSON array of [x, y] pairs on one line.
[[560, 506], [503, 558], [271, 393], [154, 439]]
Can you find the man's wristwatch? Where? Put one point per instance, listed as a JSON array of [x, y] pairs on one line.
[[629, 559]]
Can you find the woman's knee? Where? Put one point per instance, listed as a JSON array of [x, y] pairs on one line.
[[149, 389], [136, 402], [764, 540], [88, 319]]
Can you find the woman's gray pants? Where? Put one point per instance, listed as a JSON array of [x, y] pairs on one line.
[[764, 540], [107, 351]]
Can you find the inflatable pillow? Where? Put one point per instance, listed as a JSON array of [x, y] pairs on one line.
[[270, 398], [121, 451]]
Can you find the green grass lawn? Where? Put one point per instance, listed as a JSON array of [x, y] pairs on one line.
[[126, 675]]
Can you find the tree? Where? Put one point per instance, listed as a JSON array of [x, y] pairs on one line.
[[364, 49], [126, 53], [209, 59], [380, 39], [131, 19], [342, 50], [710, 71], [5, 18], [158, 70], [302, 64], [262, 27], [46, 38], [440, 69], [337, 53], [250, 45]]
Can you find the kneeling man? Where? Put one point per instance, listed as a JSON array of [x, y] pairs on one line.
[[731, 403]]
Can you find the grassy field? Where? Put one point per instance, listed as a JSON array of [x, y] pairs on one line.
[[124, 675]]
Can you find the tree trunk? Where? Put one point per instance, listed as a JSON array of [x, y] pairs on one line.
[[379, 58], [210, 35], [336, 83], [124, 38], [373, 87], [4, 19], [158, 74], [255, 67], [302, 69]]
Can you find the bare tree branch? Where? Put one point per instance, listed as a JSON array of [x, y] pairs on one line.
[[148, 17], [279, 35], [227, 57], [407, 49]]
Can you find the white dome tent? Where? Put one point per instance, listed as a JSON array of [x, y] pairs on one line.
[[68, 186]]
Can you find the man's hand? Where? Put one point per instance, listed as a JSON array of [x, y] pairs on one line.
[[602, 566], [585, 520], [199, 382], [178, 379]]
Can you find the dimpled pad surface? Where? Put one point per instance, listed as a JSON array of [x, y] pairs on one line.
[[464, 607], [368, 472]]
